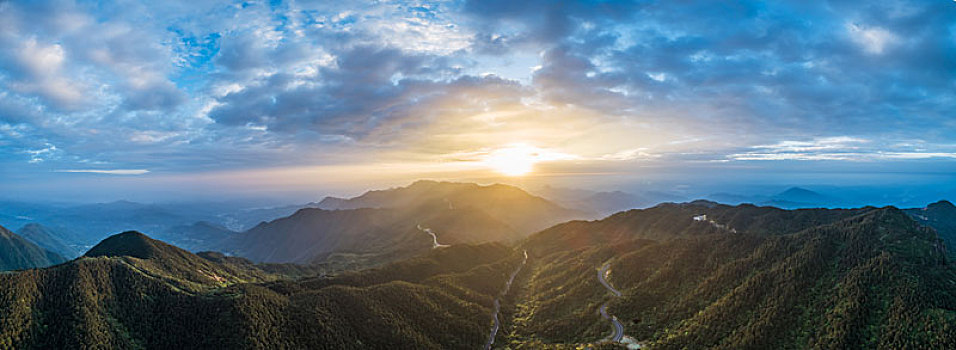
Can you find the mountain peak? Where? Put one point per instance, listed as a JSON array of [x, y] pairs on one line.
[[942, 204], [798, 195], [420, 183], [129, 243], [798, 191]]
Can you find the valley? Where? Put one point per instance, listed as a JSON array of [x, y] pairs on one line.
[[698, 274], [496, 323]]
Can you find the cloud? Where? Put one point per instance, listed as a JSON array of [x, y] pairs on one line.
[[873, 40], [109, 171], [630, 154], [819, 144], [206, 85], [39, 70], [843, 148], [42, 154], [918, 155]]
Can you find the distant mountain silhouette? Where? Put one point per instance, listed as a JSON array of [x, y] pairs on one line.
[[17, 253], [199, 236], [791, 198], [603, 203], [82, 226], [734, 199], [800, 197]]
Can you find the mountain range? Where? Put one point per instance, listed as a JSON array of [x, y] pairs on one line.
[[384, 226], [437, 265], [791, 198], [79, 227], [603, 203], [704, 275], [131, 291]]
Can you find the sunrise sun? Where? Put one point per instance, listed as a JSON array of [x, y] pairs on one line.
[[514, 160]]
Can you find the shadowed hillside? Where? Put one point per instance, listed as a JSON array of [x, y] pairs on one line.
[[17, 253], [942, 217], [384, 226], [48, 239]]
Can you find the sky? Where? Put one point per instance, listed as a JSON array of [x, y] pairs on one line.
[[211, 99]]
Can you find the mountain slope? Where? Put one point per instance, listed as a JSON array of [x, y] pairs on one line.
[[744, 277], [437, 301], [171, 264], [48, 239], [363, 237], [17, 253], [942, 217], [384, 226]]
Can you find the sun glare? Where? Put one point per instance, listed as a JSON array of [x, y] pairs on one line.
[[515, 160]]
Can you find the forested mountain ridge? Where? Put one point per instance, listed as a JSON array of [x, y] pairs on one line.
[[743, 278], [384, 226], [134, 292], [691, 275], [669, 220], [17, 253]]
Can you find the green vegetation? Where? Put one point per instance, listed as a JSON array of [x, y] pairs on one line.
[[755, 278], [383, 226], [17, 253], [131, 291], [742, 277]]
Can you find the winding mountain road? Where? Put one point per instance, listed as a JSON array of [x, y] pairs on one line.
[[435, 243], [618, 333], [497, 322]]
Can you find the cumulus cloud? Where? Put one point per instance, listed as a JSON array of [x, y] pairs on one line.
[[40, 71], [207, 85]]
